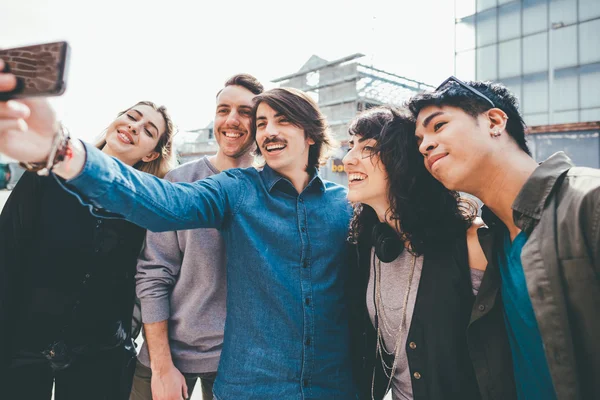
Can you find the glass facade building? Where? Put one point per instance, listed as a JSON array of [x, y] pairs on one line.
[[546, 51]]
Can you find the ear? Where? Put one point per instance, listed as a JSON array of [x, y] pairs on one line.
[[497, 119], [151, 157], [310, 141]]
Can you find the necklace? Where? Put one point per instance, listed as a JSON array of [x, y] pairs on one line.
[[379, 310]]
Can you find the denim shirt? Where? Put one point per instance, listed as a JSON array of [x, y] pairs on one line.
[[286, 331]]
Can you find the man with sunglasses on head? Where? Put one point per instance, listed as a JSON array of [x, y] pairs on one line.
[[539, 299]]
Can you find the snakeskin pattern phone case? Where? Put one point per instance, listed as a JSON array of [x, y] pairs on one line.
[[40, 69]]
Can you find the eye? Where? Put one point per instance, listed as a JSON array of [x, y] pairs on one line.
[[260, 125], [245, 113], [283, 120], [222, 111], [438, 126], [131, 117], [148, 132]]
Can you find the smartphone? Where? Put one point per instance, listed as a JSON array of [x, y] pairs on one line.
[[41, 69]]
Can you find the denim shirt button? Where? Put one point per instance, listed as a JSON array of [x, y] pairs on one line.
[[481, 307], [305, 264], [308, 342], [307, 301], [305, 382], [303, 229]]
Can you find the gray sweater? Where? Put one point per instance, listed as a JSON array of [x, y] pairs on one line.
[[181, 277]]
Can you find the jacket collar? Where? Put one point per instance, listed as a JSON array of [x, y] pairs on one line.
[[530, 202], [272, 178]]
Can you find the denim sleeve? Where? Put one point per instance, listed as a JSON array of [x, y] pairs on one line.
[[113, 189]]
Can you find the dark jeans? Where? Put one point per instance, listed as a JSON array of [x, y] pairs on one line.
[[104, 376], [142, 390]]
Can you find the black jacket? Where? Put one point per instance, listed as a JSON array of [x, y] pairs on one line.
[[56, 258], [436, 345]]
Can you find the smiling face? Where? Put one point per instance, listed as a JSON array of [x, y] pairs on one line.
[[455, 145], [232, 121], [367, 178], [283, 145], [133, 136]]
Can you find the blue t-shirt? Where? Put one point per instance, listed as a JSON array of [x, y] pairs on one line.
[[532, 376]]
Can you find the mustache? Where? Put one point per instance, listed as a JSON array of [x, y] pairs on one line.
[[273, 139]]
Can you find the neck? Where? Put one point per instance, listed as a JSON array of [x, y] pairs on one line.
[[299, 178], [382, 209], [223, 162], [107, 150], [501, 182]]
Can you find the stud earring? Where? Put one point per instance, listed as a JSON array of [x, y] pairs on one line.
[[495, 133]]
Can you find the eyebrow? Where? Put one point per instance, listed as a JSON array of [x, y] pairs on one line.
[[427, 120], [149, 122]]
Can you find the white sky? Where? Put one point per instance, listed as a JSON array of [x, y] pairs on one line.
[[179, 52]]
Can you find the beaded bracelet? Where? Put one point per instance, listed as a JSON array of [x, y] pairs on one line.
[[58, 152]]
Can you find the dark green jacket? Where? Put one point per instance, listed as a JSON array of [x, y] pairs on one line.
[[559, 209]]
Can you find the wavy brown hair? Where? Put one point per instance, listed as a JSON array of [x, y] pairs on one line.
[[426, 214], [164, 162], [303, 112]]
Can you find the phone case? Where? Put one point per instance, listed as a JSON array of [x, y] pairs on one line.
[[40, 69]]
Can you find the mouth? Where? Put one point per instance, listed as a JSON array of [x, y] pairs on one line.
[[232, 135], [356, 177], [274, 147], [124, 136], [431, 160]]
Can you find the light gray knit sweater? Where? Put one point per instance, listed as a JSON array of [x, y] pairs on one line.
[[181, 277]]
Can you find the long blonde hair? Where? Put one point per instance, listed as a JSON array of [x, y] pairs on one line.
[[164, 162]]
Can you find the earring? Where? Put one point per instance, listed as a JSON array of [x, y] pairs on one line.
[[495, 133]]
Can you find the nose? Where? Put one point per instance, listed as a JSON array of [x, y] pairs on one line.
[[350, 158], [233, 119], [133, 129], [427, 145], [271, 130]]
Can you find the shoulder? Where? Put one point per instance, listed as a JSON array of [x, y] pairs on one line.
[[335, 189], [191, 171], [581, 187]]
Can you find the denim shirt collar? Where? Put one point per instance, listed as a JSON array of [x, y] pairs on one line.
[[530, 202], [271, 178]]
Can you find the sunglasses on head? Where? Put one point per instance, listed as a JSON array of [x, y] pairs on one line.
[[469, 88]]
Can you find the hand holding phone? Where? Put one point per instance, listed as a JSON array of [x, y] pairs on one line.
[[41, 70]]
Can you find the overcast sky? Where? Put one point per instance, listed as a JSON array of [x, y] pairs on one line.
[[179, 52]]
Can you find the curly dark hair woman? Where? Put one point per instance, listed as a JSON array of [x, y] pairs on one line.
[[407, 302], [425, 212]]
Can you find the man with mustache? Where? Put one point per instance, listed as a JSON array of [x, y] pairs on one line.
[[542, 284], [286, 330], [181, 278]]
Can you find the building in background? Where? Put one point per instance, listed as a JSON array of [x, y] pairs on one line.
[[548, 53], [343, 88]]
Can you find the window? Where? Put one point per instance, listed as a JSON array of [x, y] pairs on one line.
[[487, 63], [509, 21], [535, 53], [535, 16], [589, 85], [565, 94], [465, 65], [589, 48], [589, 9], [564, 47], [535, 94], [510, 58], [486, 28], [564, 11]]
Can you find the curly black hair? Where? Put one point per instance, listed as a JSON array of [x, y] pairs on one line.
[[426, 213]]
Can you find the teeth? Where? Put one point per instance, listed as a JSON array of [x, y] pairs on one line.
[[356, 177], [124, 137], [233, 134], [275, 146]]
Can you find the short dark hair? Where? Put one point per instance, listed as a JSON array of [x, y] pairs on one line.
[[454, 95], [428, 215], [302, 111], [246, 81]]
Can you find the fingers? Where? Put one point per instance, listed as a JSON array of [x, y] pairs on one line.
[[185, 390], [14, 110], [13, 125], [7, 81]]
